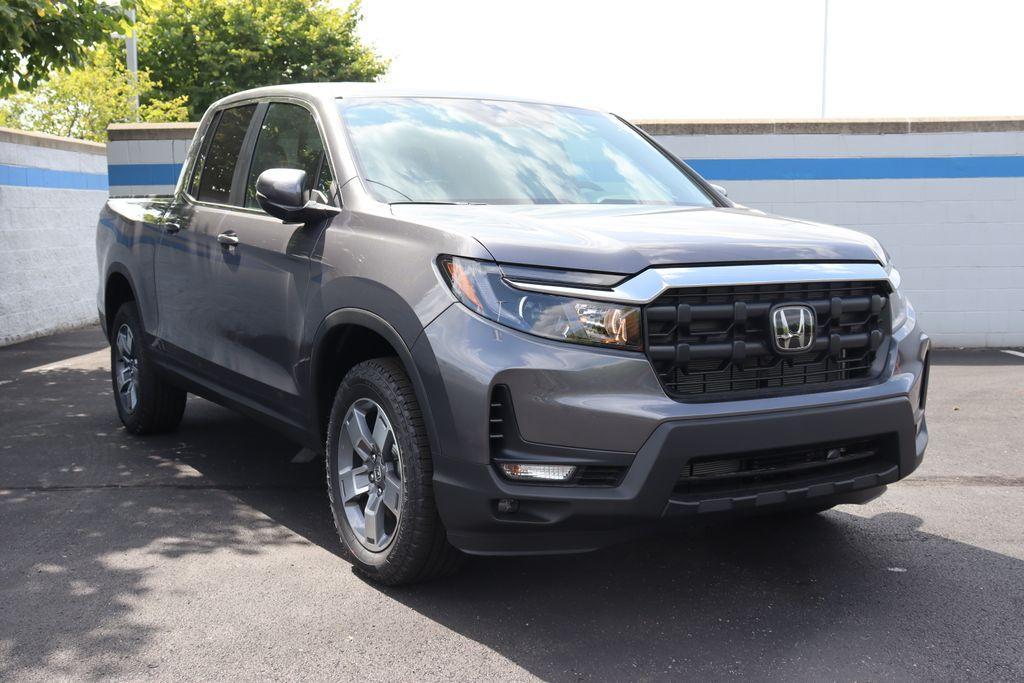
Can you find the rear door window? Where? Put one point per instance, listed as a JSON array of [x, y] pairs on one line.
[[289, 139], [216, 166]]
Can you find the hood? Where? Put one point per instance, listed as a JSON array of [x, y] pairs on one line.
[[628, 239]]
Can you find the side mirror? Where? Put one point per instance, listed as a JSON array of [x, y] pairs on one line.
[[281, 193], [720, 190]]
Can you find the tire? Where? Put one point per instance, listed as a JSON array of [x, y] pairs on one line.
[[155, 406], [377, 450]]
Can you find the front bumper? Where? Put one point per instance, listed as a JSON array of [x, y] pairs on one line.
[[586, 406]]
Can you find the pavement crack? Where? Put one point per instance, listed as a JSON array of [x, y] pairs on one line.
[[980, 480]]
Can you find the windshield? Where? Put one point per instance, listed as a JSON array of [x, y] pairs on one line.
[[496, 152]]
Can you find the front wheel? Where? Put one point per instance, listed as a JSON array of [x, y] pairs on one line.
[[379, 476]]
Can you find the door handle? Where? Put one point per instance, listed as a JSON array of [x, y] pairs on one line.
[[228, 239]]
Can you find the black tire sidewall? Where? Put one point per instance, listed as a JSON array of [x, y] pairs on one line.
[[368, 381]]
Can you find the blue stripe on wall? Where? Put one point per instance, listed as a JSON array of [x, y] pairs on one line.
[[832, 168], [26, 176], [143, 174], [863, 168]]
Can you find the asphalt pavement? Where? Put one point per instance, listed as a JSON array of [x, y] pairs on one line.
[[209, 554]]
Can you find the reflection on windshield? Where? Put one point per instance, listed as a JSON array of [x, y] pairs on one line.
[[496, 152]]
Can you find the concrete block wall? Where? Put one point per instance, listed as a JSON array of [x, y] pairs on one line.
[[145, 159], [945, 197], [51, 191]]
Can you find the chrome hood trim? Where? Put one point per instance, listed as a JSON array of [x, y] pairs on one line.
[[648, 285]]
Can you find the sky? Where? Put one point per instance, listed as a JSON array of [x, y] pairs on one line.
[[722, 59]]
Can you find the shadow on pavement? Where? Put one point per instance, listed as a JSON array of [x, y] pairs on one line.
[[832, 597], [86, 511]]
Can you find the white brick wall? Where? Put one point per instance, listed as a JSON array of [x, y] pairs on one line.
[[48, 277], [958, 242], [135, 152], [767, 146], [22, 154]]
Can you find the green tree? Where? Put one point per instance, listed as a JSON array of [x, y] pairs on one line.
[[207, 49], [38, 37], [83, 102]]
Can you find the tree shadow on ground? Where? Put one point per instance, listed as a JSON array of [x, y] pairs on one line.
[[86, 511]]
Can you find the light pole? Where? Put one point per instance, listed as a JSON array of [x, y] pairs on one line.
[[132, 62], [824, 62]]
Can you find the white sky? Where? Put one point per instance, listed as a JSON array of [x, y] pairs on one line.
[[716, 58]]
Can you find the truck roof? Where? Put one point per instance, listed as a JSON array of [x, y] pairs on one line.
[[343, 90]]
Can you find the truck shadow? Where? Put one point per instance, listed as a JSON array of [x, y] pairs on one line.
[[829, 595], [835, 596]]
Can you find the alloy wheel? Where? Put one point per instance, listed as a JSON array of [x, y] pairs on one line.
[[126, 369], [370, 474]]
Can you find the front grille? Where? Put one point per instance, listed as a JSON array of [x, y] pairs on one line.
[[777, 467], [714, 342]]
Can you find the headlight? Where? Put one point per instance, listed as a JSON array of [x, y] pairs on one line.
[[899, 304], [480, 286]]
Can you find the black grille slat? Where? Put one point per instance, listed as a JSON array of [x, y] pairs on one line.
[[496, 417], [714, 341], [600, 475], [779, 466]]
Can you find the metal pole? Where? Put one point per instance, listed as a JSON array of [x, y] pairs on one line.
[[133, 63], [824, 62]]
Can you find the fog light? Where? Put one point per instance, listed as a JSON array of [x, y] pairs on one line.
[[527, 472]]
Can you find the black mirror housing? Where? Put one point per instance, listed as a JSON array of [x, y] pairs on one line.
[[281, 193]]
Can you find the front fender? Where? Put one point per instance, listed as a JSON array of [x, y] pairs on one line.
[[415, 367]]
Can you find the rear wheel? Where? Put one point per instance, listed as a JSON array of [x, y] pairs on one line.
[[146, 403], [379, 475]]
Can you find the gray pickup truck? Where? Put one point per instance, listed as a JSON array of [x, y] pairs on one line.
[[510, 326]]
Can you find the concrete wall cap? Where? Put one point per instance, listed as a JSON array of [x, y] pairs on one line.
[[979, 124], [33, 139], [151, 131]]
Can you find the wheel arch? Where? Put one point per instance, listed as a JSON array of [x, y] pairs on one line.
[[118, 289], [345, 338]]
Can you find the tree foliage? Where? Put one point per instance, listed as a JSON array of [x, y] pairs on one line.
[[207, 49], [38, 37], [83, 102], [191, 52]]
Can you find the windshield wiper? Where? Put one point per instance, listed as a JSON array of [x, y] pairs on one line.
[[410, 200], [429, 202], [393, 189], [426, 201]]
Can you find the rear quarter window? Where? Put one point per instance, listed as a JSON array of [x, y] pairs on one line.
[[215, 167]]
